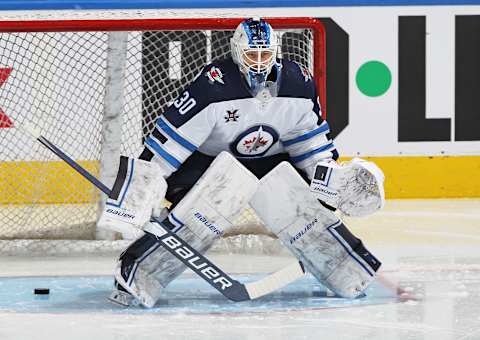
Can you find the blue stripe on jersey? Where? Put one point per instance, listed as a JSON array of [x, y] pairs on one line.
[[324, 128], [175, 136], [165, 155], [304, 156]]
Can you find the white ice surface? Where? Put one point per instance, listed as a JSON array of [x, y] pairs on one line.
[[431, 256]]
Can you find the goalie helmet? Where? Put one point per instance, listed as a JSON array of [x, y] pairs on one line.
[[254, 48]]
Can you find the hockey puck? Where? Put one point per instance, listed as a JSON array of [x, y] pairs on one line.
[[41, 291]]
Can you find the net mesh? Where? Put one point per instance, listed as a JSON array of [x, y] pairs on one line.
[[58, 81]]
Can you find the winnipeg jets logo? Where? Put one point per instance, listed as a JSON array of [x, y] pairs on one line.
[[231, 116], [214, 74], [254, 142]]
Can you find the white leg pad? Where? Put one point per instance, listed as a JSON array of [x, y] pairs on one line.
[[314, 234], [200, 219], [220, 194]]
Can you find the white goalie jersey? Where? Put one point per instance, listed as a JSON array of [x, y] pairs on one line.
[[218, 112]]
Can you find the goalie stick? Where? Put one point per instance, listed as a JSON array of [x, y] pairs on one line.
[[199, 264]]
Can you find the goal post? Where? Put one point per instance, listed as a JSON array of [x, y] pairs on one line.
[[95, 88]]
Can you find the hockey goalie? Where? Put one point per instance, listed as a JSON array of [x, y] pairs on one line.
[[248, 130]]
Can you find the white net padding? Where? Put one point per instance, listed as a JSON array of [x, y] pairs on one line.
[[95, 91]]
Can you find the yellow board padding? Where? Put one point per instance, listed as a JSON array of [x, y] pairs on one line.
[[45, 182], [406, 177], [430, 177]]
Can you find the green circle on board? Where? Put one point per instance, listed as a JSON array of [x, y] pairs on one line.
[[373, 78]]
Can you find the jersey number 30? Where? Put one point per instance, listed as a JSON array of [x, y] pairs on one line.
[[184, 103]]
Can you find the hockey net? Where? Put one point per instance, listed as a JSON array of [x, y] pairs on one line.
[[95, 88]]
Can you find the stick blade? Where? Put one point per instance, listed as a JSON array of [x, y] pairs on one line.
[[276, 280]]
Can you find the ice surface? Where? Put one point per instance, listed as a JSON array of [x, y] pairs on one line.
[[188, 295], [429, 288]]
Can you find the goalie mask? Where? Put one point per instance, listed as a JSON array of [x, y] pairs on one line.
[[254, 49]]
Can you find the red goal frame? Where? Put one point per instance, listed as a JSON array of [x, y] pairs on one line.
[[315, 24]]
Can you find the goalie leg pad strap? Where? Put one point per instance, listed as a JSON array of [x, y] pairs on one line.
[[314, 234], [200, 219]]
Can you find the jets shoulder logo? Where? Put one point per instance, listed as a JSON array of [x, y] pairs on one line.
[[231, 116], [254, 142], [214, 75]]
